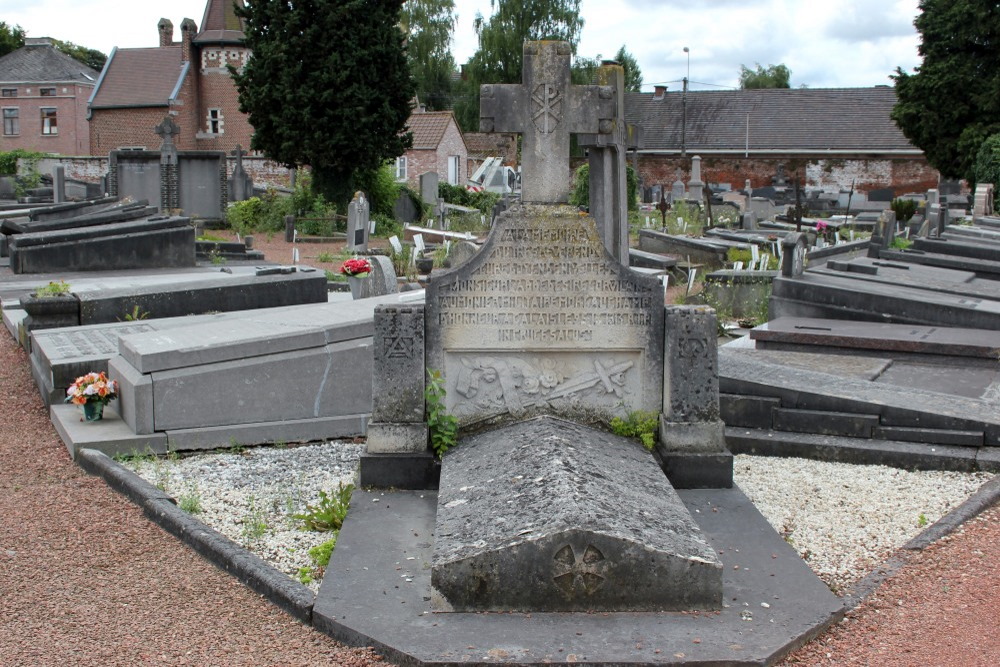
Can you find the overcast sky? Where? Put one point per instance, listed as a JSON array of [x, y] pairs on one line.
[[834, 43]]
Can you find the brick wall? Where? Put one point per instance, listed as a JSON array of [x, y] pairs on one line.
[[216, 90], [902, 174], [111, 129], [419, 162], [70, 103]]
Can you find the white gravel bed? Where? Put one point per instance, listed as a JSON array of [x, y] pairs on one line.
[[844, 519], [250, 496]]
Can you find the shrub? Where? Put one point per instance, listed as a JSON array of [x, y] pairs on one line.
[[903, 208], [381, 188], [580, 194], [987, 166], [454, 194]]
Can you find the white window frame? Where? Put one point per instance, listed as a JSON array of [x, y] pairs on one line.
[[454, 175], [49, 129], [400, 168], [215, 121], [16, 125]]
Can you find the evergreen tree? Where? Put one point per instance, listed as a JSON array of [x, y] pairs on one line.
[[327, 85], [951, 103], [11, 38], [772, 76], [633, 75], [428, 26], [501, 45]]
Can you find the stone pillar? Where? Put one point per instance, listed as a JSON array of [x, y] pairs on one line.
[[58, 184], [397, 453], [696, 188], [692, 435]]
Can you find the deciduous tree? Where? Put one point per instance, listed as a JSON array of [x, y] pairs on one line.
[[11, 38], [428, 26], [950, 104], [327, 85], [633, 75], [772, 76]]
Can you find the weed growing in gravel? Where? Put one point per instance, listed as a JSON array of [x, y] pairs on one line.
[[235, 447], [922, 520], [330, 512], [320, 557], [135, 456], [190, 500], [254, 525]]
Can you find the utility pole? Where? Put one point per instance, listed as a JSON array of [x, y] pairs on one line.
[[684, 105]]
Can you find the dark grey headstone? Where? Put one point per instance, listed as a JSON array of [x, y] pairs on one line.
[[429, 187], [358, 220], [542, 320], [793, 254], [581, 539], [381, 280]]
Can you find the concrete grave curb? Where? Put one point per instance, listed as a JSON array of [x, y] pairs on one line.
[[254, 572]]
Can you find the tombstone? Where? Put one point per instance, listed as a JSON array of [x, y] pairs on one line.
[[607, 157], [461, 253], [655, 192], [749, 221], [949, 187], [404, 209], [545, 109], [358, 223], [59, 184], [240, 183], [429, 187], [881, 194], [793, 255], [696, 188], [780, 179], [677, 190], [983, 202], [381, 280], [169, 173], [933, 197]]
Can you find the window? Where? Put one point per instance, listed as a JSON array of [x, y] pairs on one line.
[[453, 169], [49, 125], [215, 121], [10, 92], [11, 122], [47, 92], [401, 168]]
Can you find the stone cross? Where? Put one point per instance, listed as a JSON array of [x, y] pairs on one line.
[[607, 158], [239, 153], [546, 109], [167, 130]]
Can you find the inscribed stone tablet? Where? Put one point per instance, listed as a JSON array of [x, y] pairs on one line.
[[543, 321]]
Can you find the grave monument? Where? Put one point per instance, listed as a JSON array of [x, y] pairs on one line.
[[539, 339]]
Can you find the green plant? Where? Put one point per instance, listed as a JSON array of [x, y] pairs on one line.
[[214, 238], [638, 424], [216, 257], [987, 165], [320, 557], [402, 261], [190, 500], [899, 243], [254, 524], [904, 208], [922, 520], [329, 513], [28, 175], [580, 194], [443, 427], [235, 447], [136, 314], [56, 288], [325, 258]]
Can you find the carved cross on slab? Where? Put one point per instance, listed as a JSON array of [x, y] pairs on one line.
[[546, 109], [167, 130]]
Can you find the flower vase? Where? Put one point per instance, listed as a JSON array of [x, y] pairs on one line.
[[93, 411], [357, 284]]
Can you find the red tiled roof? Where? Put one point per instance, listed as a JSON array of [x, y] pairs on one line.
[[428, 128], [220, 23], [482, 145], [139, 78]]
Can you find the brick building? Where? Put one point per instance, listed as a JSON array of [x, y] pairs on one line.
[[44, 100], [828, 138], [187, 79], [438, 146]]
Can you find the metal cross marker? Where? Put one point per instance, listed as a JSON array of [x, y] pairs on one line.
[[545, 108]]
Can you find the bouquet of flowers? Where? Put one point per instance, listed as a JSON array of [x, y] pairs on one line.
[[92, 388], [357, 267]]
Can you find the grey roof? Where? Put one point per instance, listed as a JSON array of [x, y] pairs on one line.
[[802, 120], [43, 63]]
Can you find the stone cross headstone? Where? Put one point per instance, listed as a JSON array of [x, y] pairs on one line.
[[677, 190], [607, 156], [696, 188], [167, 130], [546, 109], [170, 196], [357, 223]]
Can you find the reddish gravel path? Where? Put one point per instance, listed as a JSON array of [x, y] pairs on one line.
[[86, 579]]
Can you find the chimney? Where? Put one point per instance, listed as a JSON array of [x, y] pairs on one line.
[[37, 41], [166, 29], [188, 31], [659, 92]]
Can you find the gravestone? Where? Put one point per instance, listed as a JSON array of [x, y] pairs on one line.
[[677, 190], [461, 253], [545, 109], [696, 188], [59, 184], [607, 156], [240, 183], [793, 256], [983, 202], [749, 220], [358, 223], [381, 280], [429, 187], [169, 173]]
